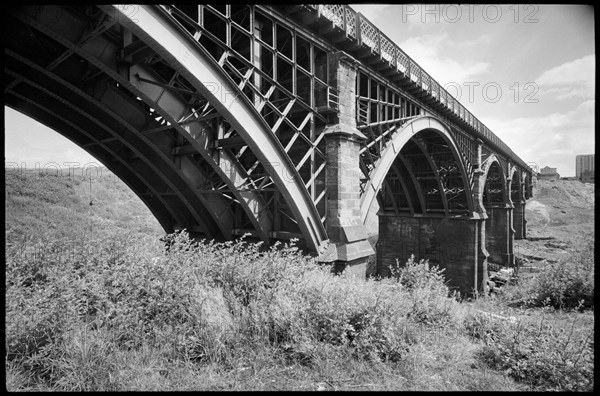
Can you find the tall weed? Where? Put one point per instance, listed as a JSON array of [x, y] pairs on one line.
[[566, 284]]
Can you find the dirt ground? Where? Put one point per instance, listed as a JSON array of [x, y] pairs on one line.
[[559, 216]]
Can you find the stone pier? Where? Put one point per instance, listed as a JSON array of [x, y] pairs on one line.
[[499, 239], [349, 247], [453, 243], [519, 219]]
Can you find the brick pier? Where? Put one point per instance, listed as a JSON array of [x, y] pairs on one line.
[[349, 249], [499, 241], [452, 243]]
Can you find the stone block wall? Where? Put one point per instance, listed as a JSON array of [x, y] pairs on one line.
[[498, 241], [451, 243], [347, 234]]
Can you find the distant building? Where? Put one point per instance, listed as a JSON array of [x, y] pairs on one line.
[[585, 163], [587, 176], [547, 173]]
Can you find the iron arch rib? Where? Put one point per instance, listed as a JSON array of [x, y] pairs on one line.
[[414, 183], [226, 167], [90, 111], [403, 183], [492, 164], [152, 25], [131, 177], [422, 146], [123, 125], [392, 151]]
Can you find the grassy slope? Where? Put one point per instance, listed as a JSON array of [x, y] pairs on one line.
[[54, 207], [560, 216], [565, 210], [51, 206]]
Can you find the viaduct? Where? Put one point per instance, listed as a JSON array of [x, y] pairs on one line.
[[287, 121]]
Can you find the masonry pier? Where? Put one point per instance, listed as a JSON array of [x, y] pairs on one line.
[[499, 239], [519, 219], [349, 248], [453, 243]]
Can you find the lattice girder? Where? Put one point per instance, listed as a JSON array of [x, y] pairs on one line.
[[235, 109]]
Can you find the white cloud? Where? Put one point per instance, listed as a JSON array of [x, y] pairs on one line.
[[425, 50], [551, 140], [481, 40], [570, 80], [445, 59]]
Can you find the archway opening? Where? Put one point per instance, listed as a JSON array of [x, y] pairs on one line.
[[497, 227], [425, 178], [425, 211]]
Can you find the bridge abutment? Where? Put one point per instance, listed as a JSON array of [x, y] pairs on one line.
[[453, 243], [349, 247]]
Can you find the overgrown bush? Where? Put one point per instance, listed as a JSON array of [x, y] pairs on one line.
[[414, 275], [567, 284], [544, 356], [72, 311], [202, 302], [483, 326], [427, 289]]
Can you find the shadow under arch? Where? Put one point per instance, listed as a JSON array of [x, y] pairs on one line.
[[516, 185], [494, 181], [495, 200], [430, 212], [385, 165]]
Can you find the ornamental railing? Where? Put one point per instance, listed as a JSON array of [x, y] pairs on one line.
[[359, 28]]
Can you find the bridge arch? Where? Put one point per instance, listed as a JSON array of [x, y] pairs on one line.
[[82, 118], [173, 42], [494, 181], [137, 92], [230, 119], [394, 162], [516, 185], [518, 198], [495, 200]]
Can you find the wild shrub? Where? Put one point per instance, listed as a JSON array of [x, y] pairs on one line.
[[341, 311], [208, 303], [413, 275], [567, 284], [540, 354], [37, 294], [427, 289], [483, 327]]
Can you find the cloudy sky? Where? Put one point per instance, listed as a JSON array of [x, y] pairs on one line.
[[526, 71]]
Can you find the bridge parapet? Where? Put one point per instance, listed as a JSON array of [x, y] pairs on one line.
[[358, 29]]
